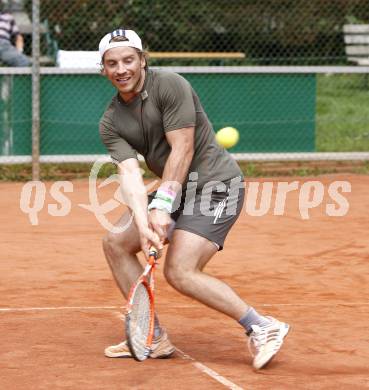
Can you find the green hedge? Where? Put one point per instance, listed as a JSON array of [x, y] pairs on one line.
[[268, 31]]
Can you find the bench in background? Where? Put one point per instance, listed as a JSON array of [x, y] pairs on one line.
[[357, 43], [91, 59], [197, 55]]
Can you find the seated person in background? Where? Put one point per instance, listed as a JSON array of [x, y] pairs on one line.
[[9, 54]]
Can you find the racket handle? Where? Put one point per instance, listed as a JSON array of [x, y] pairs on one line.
[[153, 252]]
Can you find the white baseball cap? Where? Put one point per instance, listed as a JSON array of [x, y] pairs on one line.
[[133, 40]]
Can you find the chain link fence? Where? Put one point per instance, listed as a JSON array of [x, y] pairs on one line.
[[269, 32], [291, 76]]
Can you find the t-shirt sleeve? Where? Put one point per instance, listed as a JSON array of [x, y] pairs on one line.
[[177, 105], [118, 148]]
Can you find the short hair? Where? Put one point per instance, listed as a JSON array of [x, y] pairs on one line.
[[119, 38]]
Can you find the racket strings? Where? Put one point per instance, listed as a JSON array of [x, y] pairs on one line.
[[139, 323]]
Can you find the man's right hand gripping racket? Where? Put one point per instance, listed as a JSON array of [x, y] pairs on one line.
[[140, 311]]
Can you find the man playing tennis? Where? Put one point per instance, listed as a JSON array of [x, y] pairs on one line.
[[158, 114]]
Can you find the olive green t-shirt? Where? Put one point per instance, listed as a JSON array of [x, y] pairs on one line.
[[167, 102]]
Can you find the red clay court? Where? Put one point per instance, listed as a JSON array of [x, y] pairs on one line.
[[60, 307]]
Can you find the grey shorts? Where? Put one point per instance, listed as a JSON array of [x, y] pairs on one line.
[[210, 212]]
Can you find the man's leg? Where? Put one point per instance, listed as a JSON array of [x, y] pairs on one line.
[[187, 256], [188, 253], [120, 251], [12, 57]]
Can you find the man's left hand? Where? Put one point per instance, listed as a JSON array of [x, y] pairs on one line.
[[160, 221]]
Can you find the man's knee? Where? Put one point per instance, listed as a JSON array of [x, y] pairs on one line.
[[22, 60], [178, 277], [118, 244]]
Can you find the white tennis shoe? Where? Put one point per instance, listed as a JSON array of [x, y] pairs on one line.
[[265, 341]]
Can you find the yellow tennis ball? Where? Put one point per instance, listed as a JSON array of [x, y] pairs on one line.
[[227, 137]]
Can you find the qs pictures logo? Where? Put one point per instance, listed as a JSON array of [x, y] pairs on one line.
[[33, 197]]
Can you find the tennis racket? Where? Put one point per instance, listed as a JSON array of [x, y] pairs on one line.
[[140, 311]]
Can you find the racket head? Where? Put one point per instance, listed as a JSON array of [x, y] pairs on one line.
[[139, 322]]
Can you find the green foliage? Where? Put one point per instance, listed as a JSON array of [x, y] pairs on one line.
[[268, 31], [54, 172], [342, 113], [61, 171]]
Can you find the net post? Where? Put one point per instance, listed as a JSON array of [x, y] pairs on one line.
[[35, 89]]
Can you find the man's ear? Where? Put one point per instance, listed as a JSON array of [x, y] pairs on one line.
[[102, 70], [143, 62]]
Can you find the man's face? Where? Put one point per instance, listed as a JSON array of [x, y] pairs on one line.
[[123, 67]]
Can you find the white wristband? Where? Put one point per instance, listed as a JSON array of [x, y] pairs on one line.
[[160, 204]]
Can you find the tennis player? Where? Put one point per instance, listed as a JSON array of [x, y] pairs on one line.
[[158, 115]]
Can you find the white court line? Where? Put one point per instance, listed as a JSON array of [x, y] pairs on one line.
[[21, 309], [25, 309], [344, 303], [208, 371]]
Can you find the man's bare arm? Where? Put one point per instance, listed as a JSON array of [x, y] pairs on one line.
[[178, 163], [135, 196], [19, 42], [175, 173]]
